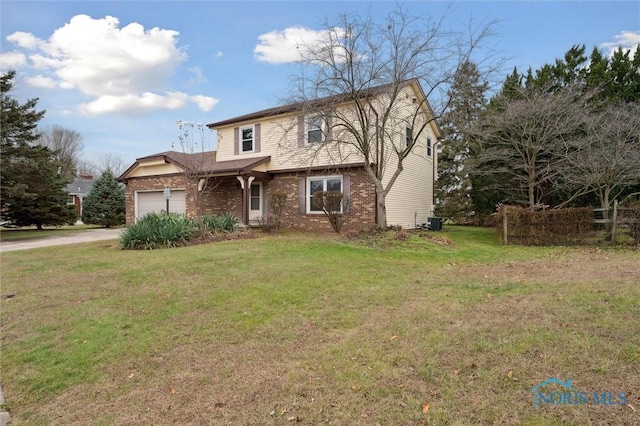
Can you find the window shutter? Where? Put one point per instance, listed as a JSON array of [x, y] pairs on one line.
[[300, 131], [256, 141], [346, 190], [236, 140], [302, 199]]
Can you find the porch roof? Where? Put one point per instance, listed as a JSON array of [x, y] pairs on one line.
[[202, 163], [235, 167]]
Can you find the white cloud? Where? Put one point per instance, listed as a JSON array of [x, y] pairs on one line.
[[198, 76], [628, 40], [12, 60], [205, 103], [279, 47], [118, 68], [41, 81], [22, 39], [130, 103]]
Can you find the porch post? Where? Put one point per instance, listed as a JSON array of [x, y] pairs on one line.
[[246, 194]]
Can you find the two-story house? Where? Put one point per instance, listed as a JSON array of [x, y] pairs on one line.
[[298, 149]]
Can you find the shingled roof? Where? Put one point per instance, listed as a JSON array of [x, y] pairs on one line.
[[300, 106], [201, 163]]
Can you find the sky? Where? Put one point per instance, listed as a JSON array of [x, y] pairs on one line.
[[123, 73]]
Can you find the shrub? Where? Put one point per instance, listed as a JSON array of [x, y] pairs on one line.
[[158, 231], [224, 223], [273, 220], [277, 203], [333, 204]]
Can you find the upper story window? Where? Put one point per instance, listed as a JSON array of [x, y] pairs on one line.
[[408, 136], [316, 129], [429, 147], [246, 139]]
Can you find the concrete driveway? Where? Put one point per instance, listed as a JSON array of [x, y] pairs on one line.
[[80, 237]]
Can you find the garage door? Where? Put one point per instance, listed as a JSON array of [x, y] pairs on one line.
[[154, 202]]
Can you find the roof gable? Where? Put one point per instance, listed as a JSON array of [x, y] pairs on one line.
[[200, 162]]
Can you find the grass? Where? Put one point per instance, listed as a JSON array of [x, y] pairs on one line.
[[28, 233], [294, 328]]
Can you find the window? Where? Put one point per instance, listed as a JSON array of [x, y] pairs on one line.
[[428, 147], [246, 139], [409, 136], [72, 199], [255, 196], [316, 129], [318, 184]]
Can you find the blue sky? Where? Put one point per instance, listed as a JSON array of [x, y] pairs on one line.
[[123, 73]]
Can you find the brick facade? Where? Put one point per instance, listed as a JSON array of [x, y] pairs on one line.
[[361, 214], [225, 195], [222, 195], [156, 183]]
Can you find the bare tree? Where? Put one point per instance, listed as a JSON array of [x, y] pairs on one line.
[[361, 68], [197, 159], [523, 140], [111, 162], [607, 160], [67, 146], [85, 167]]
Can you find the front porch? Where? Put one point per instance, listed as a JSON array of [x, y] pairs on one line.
[[238, 187]]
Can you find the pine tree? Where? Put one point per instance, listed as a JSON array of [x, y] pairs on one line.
[[105, 204], [31, 187], [453, 184]]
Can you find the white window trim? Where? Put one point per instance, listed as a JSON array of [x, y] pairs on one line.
[[307, 126], [253, 139], [324, 186]]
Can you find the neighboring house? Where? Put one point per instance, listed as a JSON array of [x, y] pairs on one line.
[[275, 150], [79, 189]]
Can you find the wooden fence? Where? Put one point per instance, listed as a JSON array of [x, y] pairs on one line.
[[575, 226]]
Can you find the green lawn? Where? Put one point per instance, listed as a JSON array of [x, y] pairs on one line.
[[317, 329]]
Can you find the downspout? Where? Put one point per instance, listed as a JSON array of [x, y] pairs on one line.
[[434, 177]]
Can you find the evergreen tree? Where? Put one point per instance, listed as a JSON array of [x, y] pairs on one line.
[[105, 204], [467, 95], [32, 189], [17, 126]]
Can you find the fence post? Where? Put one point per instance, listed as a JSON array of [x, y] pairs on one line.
[[505, 227], [614, 221]]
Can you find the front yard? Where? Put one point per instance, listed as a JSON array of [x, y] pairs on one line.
[[318, 329]]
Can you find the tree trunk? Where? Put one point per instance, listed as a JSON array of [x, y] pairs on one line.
[[381, 208], [532, 192], [604, 204]]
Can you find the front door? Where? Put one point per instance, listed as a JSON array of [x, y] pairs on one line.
[[255, 202]]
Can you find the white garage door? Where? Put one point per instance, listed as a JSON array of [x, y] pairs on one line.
[[154, 202]]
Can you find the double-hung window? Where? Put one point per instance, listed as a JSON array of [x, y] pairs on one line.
[[408, 137], [246, 139], [316, 129], [429, 148], [319, 184]]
